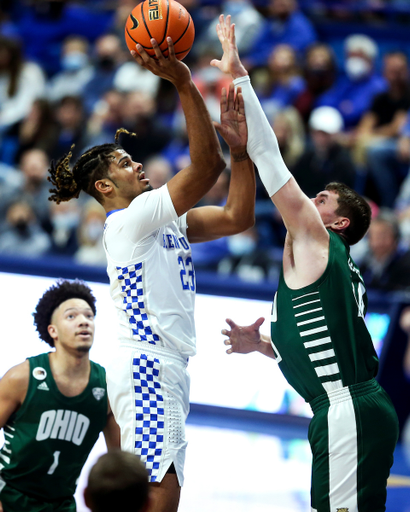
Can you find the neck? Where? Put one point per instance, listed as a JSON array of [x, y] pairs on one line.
[[69, 364]]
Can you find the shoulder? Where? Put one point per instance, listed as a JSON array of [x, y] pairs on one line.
[[17, 378]]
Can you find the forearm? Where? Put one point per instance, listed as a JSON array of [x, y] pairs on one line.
[[265, 347], [240, 204], [262, 144], [204, 147]]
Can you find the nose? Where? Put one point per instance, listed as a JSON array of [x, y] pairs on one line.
[[137, 166], [84, 320]]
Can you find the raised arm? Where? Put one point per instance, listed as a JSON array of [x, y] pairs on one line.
[[298, 212], [211, 222], [193, 182]]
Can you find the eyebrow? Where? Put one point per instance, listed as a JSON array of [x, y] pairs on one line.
[[78, 309], [123, 158]]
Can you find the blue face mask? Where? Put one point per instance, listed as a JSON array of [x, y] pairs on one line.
[[74, 61]]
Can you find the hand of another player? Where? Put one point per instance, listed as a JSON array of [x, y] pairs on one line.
[[169, 68], [1, 507], [233, 127], [242, 340], [230, 62]]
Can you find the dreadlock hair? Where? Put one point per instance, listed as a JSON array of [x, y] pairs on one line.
[[92, 166], [353, 206], [53, 297]]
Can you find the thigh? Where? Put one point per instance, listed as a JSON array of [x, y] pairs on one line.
[[378, 431]]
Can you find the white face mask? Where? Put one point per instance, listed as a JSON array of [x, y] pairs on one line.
[[357, 68], [240, 245]]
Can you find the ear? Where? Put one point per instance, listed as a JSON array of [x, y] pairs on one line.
[[104, 186], [87, 498], [52, 331], [340, 225]]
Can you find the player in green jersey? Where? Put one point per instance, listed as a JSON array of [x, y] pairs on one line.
[[318, 334], [53, 407]]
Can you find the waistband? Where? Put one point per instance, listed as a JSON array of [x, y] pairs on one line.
[[343, 394], [145, 348]]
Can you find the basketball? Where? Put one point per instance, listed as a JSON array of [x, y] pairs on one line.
[[160, 19]]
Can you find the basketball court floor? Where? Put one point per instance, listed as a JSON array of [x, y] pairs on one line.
[[259, 463]]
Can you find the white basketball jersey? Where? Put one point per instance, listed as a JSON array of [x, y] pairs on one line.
[[152, 278]]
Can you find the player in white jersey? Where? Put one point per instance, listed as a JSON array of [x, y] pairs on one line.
[[146, 238]]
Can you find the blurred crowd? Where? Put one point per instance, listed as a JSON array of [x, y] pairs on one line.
[[340, 113]]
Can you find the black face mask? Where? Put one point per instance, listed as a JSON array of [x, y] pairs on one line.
[[106, 63], [22, 227]]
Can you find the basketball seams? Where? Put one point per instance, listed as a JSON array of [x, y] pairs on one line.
[[169, 25]]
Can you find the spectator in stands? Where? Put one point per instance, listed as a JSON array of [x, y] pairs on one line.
[[21, 234], [405, 325], [105, 119], [21, 83], [354, 90], [138, 111], [283, 82], [248, 22], [380, 128], [245, 259], [158, 170], [38, 130], [290, 133], [320, 74], [91, 227], [45, 24], [108, 58], [71, 127], [386, 266], [76, 70], [325, 159], [285, 25], [65, 220], [118, 481], [33, 187]]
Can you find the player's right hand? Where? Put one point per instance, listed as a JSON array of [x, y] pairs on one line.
[[169, 68], [242, 340]]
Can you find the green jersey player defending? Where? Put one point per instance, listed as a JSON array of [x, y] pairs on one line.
[[53, 407], [318, 334]]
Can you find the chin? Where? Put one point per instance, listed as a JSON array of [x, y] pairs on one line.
[[83, 349]]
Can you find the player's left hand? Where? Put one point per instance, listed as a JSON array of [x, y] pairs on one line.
[[233, 127]]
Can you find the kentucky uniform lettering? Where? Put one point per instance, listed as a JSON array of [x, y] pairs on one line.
[[326, 353], [152, 284], [48, 440]]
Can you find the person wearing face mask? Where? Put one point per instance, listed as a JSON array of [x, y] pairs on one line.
[[22, 235], [91, 250], [108, 57], [76, 70], [358, 84]]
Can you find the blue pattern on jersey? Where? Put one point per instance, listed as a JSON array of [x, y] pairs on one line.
[[150, 416], [132, 288]]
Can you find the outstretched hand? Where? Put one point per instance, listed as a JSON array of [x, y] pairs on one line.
[[243, 340], [233, 127], [230, 62], [169, 68]]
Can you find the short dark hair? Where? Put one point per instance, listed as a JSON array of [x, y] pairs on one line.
[[116, 480], [53, 297], [92, 166], [353, 206]]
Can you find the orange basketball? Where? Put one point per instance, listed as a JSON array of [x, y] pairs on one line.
[[160, 19]]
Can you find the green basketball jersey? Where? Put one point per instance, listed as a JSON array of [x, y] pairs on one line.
[[47, 441], [318, 332]]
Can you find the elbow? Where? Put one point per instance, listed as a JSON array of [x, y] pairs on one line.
[[243, 224]]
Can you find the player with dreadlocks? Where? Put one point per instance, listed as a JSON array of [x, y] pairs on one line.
[[146, 238], [53, 407]]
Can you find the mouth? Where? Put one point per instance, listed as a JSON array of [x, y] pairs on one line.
[[142, 177], [84, 334]]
